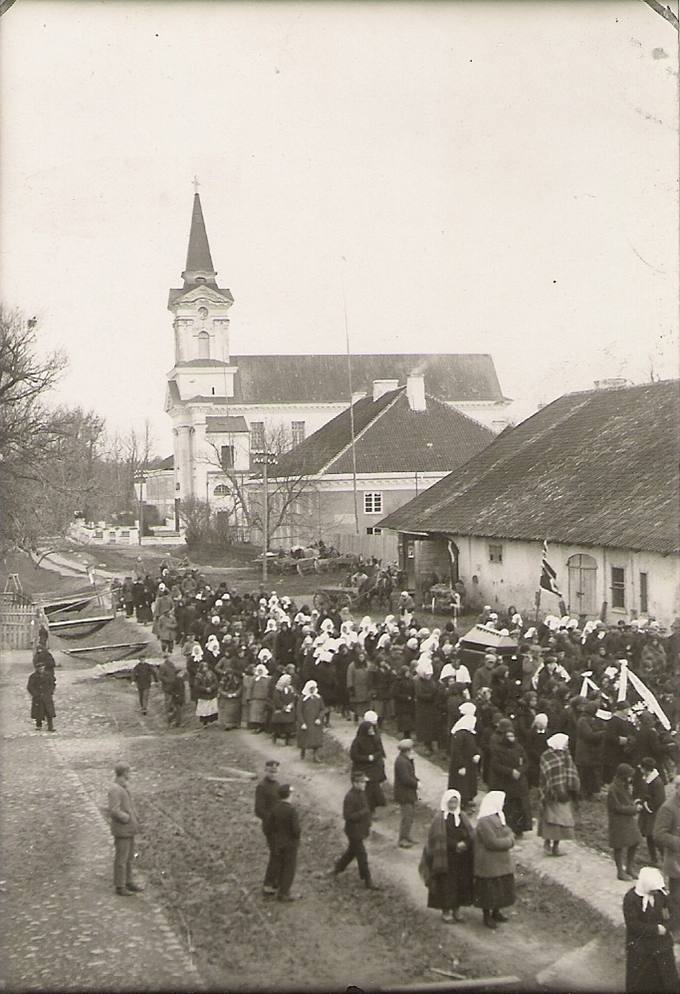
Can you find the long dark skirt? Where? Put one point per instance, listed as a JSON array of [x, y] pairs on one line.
[[375, 796], [517, 812], [495, 892], [450, 890]]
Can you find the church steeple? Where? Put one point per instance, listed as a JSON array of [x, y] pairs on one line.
[[199, 266]]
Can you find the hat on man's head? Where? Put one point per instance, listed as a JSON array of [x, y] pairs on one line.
[[404, 744], [272, 764], [359, 778]]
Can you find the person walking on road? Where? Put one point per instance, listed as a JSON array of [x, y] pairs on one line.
[[623, 811], [405, 790], [266, 796], [559, 788], [357, 815], [667, 837], [143, 676], [284, 829], [124, 827], [41, 684]]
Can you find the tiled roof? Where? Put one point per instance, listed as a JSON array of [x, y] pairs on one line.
[[225, 424], [309, 379], [390, 438], [593, 468]]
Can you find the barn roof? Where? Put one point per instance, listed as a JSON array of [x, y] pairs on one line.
[[598, 467]]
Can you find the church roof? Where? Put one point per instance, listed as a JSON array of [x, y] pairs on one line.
[[390, 438], [595, 468], [198, 253], [322, 379], [228, 424]]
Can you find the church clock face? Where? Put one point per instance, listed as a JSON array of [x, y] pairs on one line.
[[203, 313]]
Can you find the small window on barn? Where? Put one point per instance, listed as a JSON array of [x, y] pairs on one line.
[[373, 502], [374, 531], [495, 553], [618, 586]]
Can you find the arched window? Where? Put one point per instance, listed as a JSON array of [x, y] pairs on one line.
[[221, 490], [204, 345]]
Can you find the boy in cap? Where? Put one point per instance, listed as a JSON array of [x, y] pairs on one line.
[[405, 790], [357, 815], [266, 796]]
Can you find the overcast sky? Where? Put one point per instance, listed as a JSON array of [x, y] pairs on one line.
[[500, 177]]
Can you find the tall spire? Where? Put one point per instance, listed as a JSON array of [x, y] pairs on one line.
[[199, 267]]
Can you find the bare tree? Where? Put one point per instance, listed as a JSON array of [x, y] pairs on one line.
[[664, 11]]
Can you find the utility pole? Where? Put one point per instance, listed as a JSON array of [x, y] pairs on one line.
[[264, 459]]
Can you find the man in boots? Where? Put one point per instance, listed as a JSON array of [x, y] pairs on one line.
[[284, 829], [357, 815]]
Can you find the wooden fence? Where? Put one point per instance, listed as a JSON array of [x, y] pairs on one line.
[[383, 546], [18, 626]]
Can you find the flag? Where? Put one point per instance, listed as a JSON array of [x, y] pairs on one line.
[[548, 574]]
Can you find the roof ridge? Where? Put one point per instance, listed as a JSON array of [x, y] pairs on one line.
[[338, 455]]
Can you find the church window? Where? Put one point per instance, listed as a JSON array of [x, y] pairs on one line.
[[373, 502], [257, 436], [227, 456], [204, 345], [297, 432]]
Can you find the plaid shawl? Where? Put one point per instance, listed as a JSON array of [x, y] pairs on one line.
[[558, 779], [435, 852]]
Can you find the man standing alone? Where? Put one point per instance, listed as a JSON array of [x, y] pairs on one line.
[[284, 829], [124, 825], [266, 796], [357, 815], [405, 790]]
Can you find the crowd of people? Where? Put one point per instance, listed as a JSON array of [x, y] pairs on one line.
[[555, 713]]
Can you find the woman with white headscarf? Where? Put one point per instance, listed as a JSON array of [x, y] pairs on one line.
[[650, 963], [426, 712], [493, 863], [310, 714], [464, 758], [559, 787], [446, 863], [284, 700], [258, 696]]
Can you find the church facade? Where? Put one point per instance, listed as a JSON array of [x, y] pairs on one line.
[[224, 407]]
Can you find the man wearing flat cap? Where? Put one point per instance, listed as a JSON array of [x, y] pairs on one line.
[[405, 790], [124, 826], [357, 815], [266, 796]]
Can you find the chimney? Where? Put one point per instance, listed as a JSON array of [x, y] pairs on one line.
[[415, 391], [357, 395], [381, 387]]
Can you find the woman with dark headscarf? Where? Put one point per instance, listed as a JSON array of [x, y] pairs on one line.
[[508, 767], [229, 695], [368, 757], [650, 963], [559, 788], [446, 863], [622, 812]]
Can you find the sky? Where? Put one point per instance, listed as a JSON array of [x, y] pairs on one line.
[[470, 176]]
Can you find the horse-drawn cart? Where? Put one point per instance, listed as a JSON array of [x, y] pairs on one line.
[[333, 599]]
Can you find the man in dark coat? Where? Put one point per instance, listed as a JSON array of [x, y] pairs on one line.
[[144, 675], [41, 684], [619, 737], [667, 837], [284, 834], [588, 753], [405, 790], [266, 796], [357, 815]]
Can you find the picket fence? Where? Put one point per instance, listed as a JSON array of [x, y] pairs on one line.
[[17, 626]]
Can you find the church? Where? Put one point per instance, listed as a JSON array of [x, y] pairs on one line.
[[224, 407]]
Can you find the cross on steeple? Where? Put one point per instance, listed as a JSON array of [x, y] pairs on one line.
[[195, 183]]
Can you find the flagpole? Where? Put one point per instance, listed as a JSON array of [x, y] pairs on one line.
[[351, 410]]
